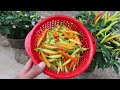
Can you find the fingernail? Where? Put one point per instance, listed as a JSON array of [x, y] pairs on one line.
[[41, 64]]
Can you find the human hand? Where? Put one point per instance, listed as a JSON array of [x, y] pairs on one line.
[[31, 71]]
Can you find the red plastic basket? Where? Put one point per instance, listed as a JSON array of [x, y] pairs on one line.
[[87, 40]]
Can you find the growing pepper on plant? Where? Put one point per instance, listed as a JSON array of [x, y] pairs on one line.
[[105, 28]]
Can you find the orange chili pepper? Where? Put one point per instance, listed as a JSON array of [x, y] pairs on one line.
[[97, 16], [66, 55], [61, 49], [41, 38], [74, 61]]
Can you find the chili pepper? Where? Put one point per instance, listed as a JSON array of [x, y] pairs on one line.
[[66, 55], [115, 42], [48, 46], [76, 51], [105, 18], [89, 12], [53, 59], [66, 70], [117, 12], [49, 51], [64, 60], [63, 46], [71, 31], [58, 69], [61, 49], [39, 56], [109, 47], [116, 50], [54, 67], [45, 59], [96, 21], [77, 38], [66, 35], [80, 20], [72, 40], [108, 39], [42, 37], [108, 15], [73, 55], [55, 56], [97, 16], [116, 38], [115, 19], [68, 61], [74, 61], [67, 44], [105, 38], [105, 29]]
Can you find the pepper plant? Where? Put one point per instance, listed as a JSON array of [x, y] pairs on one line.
[[17, 24], [105, 28]]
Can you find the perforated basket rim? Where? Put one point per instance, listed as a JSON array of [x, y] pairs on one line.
[[92, 50]]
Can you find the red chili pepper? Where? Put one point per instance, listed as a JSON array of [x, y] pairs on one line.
[[64, 60], [97, 16]]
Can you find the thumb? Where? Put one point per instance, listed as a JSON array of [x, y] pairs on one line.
[[35, 71]]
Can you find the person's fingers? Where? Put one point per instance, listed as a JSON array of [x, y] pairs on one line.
[[35, 71], [28, 65], [26, 68]]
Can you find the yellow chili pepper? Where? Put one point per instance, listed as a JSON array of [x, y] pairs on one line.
[[45, 59], [115, 42], [105, 18], [80, 20]]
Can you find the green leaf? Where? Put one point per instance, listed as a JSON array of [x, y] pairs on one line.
[[116, 68], [10, 17], [102, 63], [119, 55], [92, 30], [98, 57], [93, 64], [107, 65], [118, 63], [5, 30]]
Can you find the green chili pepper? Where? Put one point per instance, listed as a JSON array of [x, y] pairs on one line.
[[105, 29], [116, 50], [108, 39], [105, 38], [53, 66], [117, 12], [109, 47], [80, 20]]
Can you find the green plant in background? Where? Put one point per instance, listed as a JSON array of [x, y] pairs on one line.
[[105, 28], [17, 24]]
